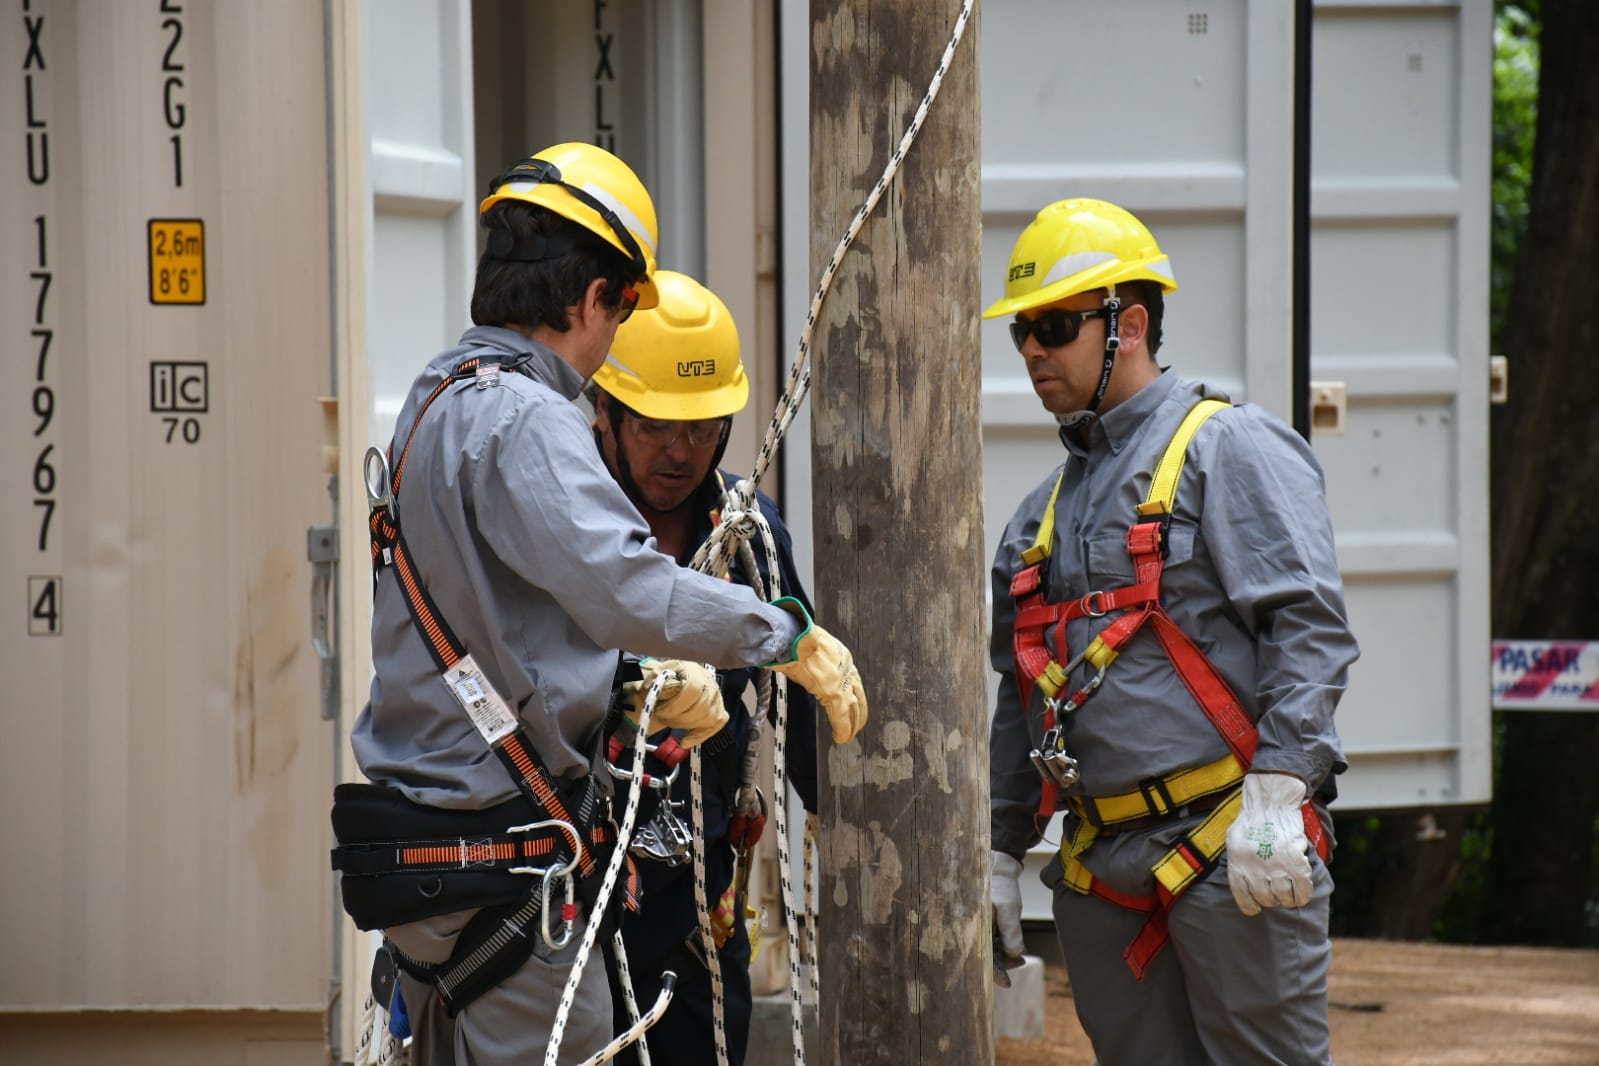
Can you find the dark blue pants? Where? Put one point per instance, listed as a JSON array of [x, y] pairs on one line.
[[685, 1035]]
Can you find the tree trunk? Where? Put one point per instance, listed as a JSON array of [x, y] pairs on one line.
[[1545, 467], [904, 924]]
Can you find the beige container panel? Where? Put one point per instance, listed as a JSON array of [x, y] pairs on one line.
[[165, 769]]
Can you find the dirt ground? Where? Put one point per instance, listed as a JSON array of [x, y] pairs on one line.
[[1412, 1005]]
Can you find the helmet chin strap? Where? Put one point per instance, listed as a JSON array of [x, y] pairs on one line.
[[1080, 420], [623, 471]]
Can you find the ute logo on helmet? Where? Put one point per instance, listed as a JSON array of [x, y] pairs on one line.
[[1021, 270], [696, 368]]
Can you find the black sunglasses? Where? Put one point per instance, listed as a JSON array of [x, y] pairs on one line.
[[1054, 328]]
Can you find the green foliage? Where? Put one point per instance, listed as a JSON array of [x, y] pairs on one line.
[[1515, 121]]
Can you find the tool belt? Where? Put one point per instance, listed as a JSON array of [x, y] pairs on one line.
[[402, 862]]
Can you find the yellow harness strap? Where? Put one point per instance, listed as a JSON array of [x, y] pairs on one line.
[[1209, 838], [1173, 871], [1178, 790], [1046, 527], [1163, 486]]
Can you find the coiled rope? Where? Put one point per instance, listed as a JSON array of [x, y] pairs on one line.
[[591, 926], [741, 520]]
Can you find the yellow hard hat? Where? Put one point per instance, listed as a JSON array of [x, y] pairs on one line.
[[1077, 246], [595, 189], [679, 361]]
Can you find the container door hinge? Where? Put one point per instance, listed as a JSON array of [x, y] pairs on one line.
[[322, 549]]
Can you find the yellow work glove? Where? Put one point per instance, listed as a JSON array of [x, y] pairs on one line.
[[690, 699], [823, 667]]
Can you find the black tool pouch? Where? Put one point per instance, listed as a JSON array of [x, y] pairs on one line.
[[377, 819]]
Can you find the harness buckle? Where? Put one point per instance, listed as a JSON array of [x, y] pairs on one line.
[[549, 823], [1092, 608], [1155, 795], [1052, 762], [379, 489]]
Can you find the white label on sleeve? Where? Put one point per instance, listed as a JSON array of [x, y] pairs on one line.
[[489, 713]]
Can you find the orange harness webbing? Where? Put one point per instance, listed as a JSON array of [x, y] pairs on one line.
[[514, 750]]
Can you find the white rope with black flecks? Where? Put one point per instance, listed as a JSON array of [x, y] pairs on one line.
[[696, 791], [735, 515], [799, 378], [741, 518], [625, 975], [812, 853], [591, 924]]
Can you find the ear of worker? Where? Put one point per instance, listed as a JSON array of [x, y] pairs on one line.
[[821, 665]]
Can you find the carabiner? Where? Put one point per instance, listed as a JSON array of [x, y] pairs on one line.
[[1078, 698], [568, 909]]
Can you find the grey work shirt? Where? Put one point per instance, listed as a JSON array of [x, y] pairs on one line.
[[542, 567], [1251, 578]]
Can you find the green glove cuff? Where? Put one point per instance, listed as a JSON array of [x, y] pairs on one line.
[[797, 609]]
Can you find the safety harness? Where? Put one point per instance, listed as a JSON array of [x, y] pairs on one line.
[[403, 862], [1215, 787]]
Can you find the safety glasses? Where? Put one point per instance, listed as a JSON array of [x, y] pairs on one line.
[[629, 303], [657, 433], [1054, 328]]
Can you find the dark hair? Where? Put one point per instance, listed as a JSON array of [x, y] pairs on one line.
[[538, 292], [1148, 295]]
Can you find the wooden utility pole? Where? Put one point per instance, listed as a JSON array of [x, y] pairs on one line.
[[905, 946]]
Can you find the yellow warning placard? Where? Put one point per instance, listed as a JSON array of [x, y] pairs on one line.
[[177, 261]]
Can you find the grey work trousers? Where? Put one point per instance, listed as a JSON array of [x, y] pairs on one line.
[[1228, 989], [512, 1022]]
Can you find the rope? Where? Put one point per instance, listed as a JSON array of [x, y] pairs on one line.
[[741, 520], [696, 793], [636, 1030], [812, 854], [591, 927], [625, 973]]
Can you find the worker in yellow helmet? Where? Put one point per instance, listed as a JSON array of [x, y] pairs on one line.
[[663, 406], [1170, 634], [509, 570]]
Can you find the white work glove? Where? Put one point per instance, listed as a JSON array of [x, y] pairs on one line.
[[690, 699], [1006, 891], [1268, 863]]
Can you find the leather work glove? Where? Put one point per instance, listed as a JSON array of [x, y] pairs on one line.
[[1268, 864], [1006, 891], [690, 699], [822, 666]]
